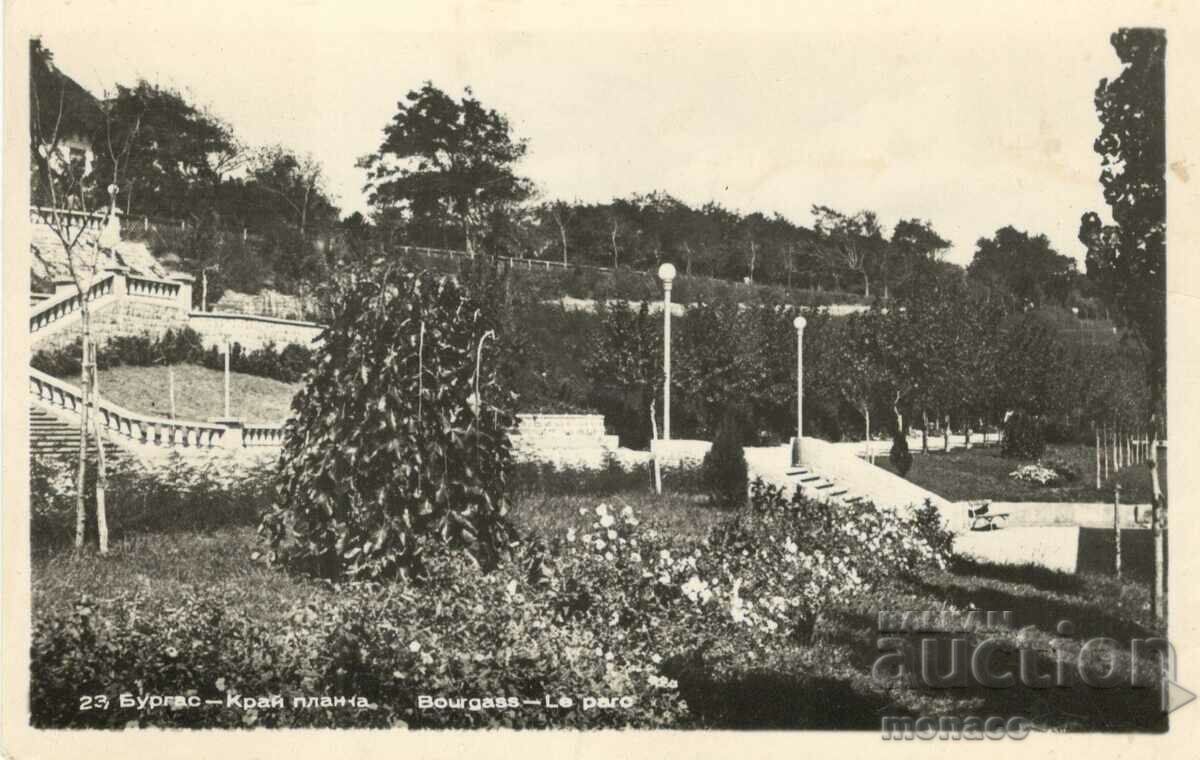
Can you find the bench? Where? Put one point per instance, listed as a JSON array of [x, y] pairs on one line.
[[981, 516]]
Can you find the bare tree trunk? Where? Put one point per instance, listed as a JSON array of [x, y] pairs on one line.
[[924, 432], [614, 245], [1117, 529], [1097, 431], [947, 448], [81, 473], [866, 285], [870, 449], [1158, 517]]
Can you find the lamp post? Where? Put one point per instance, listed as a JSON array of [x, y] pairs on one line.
[[666, 273], [799, 323]]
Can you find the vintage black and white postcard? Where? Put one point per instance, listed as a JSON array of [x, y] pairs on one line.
[[589, 378]]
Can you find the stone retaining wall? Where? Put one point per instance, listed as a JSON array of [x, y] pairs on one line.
[[251, 331], [125, 317]]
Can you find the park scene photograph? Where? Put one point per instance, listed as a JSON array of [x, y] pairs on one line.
[[398, 367]]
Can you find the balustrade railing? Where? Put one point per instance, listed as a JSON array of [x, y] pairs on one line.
[[149, 287], [134, 426], [53, 309], [263, 435]]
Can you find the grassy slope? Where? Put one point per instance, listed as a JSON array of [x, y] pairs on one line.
[[199, 393], [963, 474]]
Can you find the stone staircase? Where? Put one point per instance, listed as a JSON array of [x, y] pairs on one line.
[[52, 436], [817, 486]]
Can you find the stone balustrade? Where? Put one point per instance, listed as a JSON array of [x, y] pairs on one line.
[[65, 302], [129, 427]]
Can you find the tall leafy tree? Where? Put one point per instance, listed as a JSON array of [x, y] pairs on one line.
[[1026, 266], [181, 153], [850, 240], [446, 163], [1128, 259]]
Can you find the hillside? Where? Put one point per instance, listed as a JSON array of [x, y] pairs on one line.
[[199, 393]]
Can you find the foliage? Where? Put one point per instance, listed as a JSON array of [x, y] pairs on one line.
[[625, 361], [1024, 436], [399, 441], [182, 346], [1127, 259], [900, 457], [176, 493], [724, 469], [609, 607], [1045, 474], [1023, 266], [445, 161]]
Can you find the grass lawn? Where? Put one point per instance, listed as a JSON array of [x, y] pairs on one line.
[[199, 393], [822, 683], [981, 473]]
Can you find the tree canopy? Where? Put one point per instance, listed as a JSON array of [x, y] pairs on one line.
[[445, 158], [1127, 259]]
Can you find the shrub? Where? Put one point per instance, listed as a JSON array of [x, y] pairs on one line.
[[399, 438], [900, 457], [724, 469], [182, 346], [1024, 437], [177, 493], [609, 608]]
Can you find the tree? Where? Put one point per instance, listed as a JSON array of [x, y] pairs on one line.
[[1128, 259], [625, 360], [1023, 265], [445, 162], [849, 239], [914, 244], [862, 375], [64, 184], [399, 443], [295, 184], [180, 153]]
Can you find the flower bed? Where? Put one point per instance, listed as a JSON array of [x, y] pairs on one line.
[[608, 608]]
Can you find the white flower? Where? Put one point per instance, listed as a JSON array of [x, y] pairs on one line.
[[627, 512], [606, 521], [602, 510], [612, 535], [415, 646], [636, 557], [570, 535], [510, 588], [600, 544]]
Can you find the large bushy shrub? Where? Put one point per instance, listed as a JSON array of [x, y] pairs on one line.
[[724, 470], [1024, 437], [399, 438]]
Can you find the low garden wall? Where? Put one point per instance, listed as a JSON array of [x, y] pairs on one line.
[[251, 331]]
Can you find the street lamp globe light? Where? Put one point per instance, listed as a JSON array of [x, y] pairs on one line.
[[666, 273], [800, 323]]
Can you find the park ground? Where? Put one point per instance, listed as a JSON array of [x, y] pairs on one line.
[[825, 682], [199, 392], [981, 473]]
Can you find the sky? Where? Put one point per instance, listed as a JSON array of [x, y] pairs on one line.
[[970, 118]]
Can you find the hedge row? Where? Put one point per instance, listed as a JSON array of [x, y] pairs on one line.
[[287, 364]]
